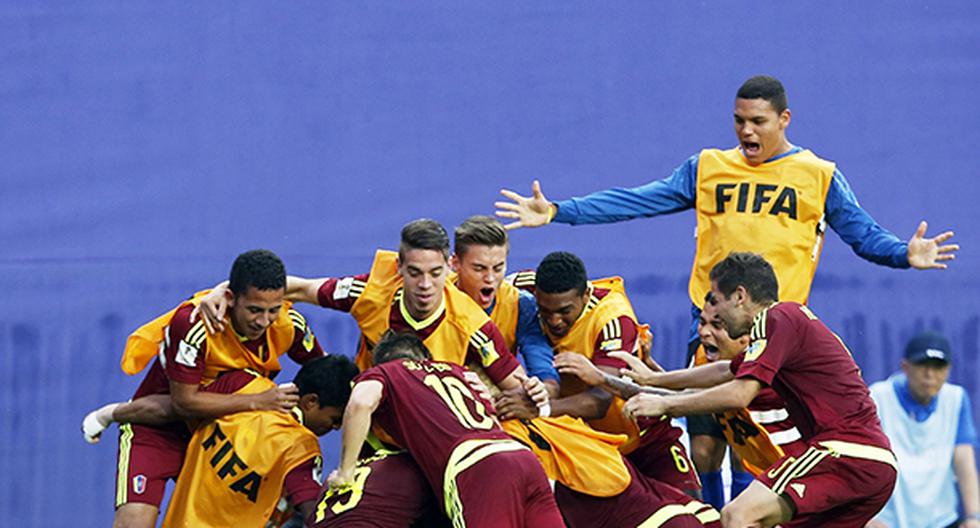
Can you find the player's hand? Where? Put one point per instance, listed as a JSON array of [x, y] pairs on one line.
[[96, 422], [211, 309], [338, 480], [645, 405], [527, 211], [282, 398], [536, 390], [875, 524], [477, 385], [637, 370], [930, 253], [970, 523], [515, 403], [579, 366]]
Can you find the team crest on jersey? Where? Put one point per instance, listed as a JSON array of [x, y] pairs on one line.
[[139, 484], [186, 354], [755, 350]]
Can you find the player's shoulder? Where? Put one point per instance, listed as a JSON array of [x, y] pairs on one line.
[[298, 319], [182, 327]]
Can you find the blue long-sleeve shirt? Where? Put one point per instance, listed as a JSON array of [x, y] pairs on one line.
[[677, 192]]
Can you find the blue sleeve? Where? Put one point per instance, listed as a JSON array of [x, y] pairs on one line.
[[966, 432], [858, 230], [670, 195], [531, 342]]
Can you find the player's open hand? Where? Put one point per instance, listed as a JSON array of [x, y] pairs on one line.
[[645, 405], [536, 390], [637, 370], [211, 309], [515, 404], [282, 398], [527, 211], [579, 366], [930, 253], [476, 384]]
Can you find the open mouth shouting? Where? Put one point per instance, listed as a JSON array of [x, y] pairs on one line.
[[486, 296]]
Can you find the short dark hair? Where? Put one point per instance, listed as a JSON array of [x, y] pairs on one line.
[[765, 87], [259, 268], [479, 230], [328, 377], [395, 346], [749, 270], [559, 272], [424, 233]]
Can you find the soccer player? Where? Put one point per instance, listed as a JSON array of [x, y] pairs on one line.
[[152, 442], [760, 434], [848, 471], [483, 476], [480, 261], [239, 465], [594, 318]]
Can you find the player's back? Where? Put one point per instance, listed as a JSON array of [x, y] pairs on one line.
[[428, 408], [817, 377]]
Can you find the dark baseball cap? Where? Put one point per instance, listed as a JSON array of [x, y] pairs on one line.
[[927, 346]]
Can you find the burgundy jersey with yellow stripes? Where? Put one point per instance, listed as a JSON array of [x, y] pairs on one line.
[[428, 408], [813, 371]]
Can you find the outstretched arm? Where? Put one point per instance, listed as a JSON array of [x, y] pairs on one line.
[[577, 365], [154, 409], [702, 376], [674, 193], [735, 394]]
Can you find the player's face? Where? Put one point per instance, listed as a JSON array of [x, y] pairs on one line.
[[714, 336], [732, 310], [424, 273], [255, 310], [559, 311], [925, 379], [481, 269], [760, 129], [322, 420]]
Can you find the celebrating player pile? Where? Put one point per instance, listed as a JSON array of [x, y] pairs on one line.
[[443, 426]]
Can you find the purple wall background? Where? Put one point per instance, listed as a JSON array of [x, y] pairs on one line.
[[146, 144]]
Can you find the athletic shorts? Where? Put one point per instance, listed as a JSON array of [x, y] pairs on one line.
[[828, 488], [146, 459], [521, 494], [645, 502], [665, 460]]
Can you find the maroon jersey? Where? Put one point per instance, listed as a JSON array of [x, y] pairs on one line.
[[814, 373], [768, 410], [342, 293], [388, 491], [186, 346], [428, 408]]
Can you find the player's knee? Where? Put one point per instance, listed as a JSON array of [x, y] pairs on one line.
[[135, 515], [707, 453]]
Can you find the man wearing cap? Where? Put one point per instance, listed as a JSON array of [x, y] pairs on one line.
[[932, 433]]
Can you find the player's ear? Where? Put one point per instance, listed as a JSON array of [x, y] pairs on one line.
[[454, 263], [309, 402], [230, 297]]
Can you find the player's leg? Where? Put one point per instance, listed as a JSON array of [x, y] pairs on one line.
[[147, 458], [757, 506], [707, 452], [740, 477]]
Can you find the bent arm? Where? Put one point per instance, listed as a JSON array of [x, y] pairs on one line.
[[859, 230], [672, 194], [591, 404]]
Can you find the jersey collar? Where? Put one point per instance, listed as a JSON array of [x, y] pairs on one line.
[[418, 325]]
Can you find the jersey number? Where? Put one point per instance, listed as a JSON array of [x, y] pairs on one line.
[[455, 393], [356, 491]]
